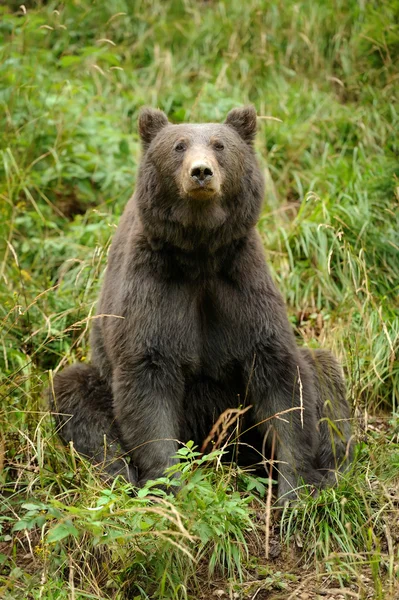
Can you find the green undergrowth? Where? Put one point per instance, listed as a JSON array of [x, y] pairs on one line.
[[104, 541], [148, 542], [323, 77]]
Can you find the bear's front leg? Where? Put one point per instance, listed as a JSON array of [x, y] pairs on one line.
[[284, 400], [148, 398]]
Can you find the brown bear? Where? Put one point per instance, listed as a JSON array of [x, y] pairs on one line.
[[190, 322]]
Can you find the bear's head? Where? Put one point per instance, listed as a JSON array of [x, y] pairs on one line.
[[199, 184]]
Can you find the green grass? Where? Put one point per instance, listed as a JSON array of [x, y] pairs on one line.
[[72, 80]]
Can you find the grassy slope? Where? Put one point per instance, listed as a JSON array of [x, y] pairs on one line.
[[72, 83]]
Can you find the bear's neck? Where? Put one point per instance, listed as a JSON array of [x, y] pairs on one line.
[[195, 240], [199, 263], [203, 229]]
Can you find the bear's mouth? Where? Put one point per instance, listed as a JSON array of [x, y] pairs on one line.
[[201, 190], [201, 193]]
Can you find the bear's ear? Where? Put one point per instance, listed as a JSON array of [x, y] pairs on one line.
[[243, 120], [151, 121]]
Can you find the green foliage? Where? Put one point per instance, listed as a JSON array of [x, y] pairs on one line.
[[151, 541], [72, 79]]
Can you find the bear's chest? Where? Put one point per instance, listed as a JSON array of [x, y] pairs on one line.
[[227, 325], [205, 322]]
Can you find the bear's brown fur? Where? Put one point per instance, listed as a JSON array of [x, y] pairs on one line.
[[204, 327]]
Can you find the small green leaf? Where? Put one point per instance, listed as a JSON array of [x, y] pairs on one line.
[[31, 506], [61, 531], [3, 559], [20, 525], [67, 61]]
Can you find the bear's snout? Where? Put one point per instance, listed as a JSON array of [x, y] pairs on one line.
[[201, 176], [201, 172]]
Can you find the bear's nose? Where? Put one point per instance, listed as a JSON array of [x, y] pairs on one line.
[[201, 172]]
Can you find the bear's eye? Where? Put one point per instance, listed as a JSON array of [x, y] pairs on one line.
[[218, 146], [180, 147]]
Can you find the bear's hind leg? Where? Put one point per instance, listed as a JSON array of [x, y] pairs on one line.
[[82, 406], [333, 413]]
